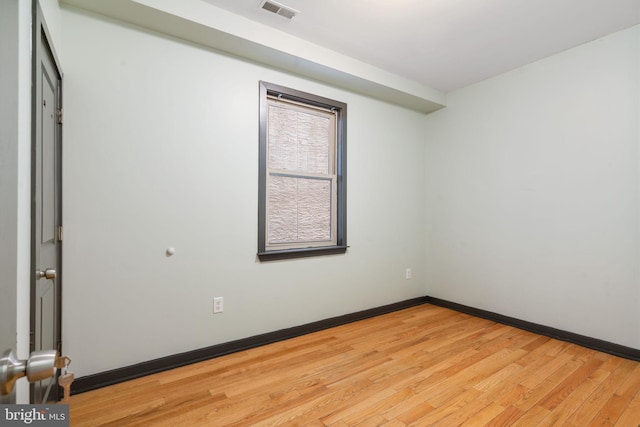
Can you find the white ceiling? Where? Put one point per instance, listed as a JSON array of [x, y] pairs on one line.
[[446, 44]]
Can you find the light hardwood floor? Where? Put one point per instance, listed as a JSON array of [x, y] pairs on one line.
[[421, 366]]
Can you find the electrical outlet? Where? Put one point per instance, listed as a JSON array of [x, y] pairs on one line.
[[407, 274], [218, 305]]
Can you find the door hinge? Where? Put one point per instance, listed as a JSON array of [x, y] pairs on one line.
[[60, 115], [60, 233]]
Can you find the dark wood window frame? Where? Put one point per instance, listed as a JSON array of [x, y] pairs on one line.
[[340, 108]]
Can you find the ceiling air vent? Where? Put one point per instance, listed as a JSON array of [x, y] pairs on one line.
[[279, 9]]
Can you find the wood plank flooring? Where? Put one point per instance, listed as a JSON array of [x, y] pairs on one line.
[[421, 366]]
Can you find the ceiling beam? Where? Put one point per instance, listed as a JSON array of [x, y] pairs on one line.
[[202, 23]]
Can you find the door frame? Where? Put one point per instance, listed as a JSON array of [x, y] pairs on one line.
[[41, 35]]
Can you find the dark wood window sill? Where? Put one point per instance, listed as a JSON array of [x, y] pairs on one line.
[[301, 253]]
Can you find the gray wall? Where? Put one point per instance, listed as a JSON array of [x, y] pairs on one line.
[[533, 192], [161, 150]]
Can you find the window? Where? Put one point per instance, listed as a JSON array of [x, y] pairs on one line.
[[302, 183]]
